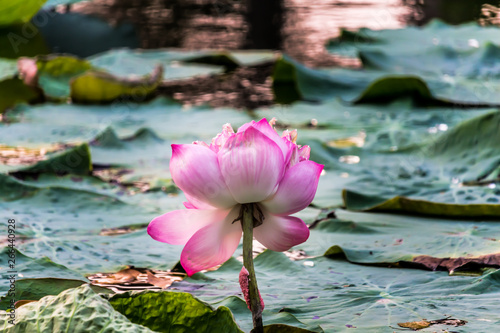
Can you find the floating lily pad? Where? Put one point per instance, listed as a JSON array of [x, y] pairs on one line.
[[233, 59], [449, 172], [76, 310], [440, 156], [55, 73], [93, 253], [44, 125], [446, 44], [384, 239], [357, 201], [393, 136], [34, 289], [65, 222], [8, 68], [343, 297], [99, 87], [29, 267], [458, 63], [144, 157], [293, 81], [75, 161], [140, 62]]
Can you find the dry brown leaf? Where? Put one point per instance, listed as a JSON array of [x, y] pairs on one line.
[[165, 281], [127, 275], [415, 325], [418, 325], [452, 264], [134, 278], [25, 156]]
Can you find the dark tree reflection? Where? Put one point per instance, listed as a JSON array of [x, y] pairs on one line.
[[265, 22], [296, 27], [450, 11]]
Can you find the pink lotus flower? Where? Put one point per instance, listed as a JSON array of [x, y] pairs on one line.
[[254, 165]]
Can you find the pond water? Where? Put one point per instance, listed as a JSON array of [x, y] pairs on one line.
[[299, 28]]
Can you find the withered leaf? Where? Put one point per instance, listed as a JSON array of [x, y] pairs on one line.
[[165, 281], [461, 263], [418, 325]]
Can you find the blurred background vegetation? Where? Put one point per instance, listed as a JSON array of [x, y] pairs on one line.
[[299, 28]]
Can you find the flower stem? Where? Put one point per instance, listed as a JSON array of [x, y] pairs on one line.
[[247, 223]]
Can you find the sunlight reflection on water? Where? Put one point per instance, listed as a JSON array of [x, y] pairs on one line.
[[300, 28], [304, 28], [309, 26]]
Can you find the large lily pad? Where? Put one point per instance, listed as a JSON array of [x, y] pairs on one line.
[[69, 224], [139, 62], [343, 297], [44, 125], [357, 201], [390, 148], [75, 161], [29, 267], [35, 289], [144, 156], [458, 63], [385, 239], [294, 81], [76, 310], [99, 87], [450, 171], [55, 73], [178, 64], [416, 40], [428, 155], [8, 68]]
